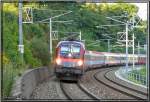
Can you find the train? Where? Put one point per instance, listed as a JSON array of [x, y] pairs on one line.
[[72, 60]]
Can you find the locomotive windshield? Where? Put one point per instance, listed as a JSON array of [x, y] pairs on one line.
[[75, 49], [64, 49], [70, 50]]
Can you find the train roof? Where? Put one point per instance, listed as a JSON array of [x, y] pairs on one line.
[[79, 42], [142, 55], [119, 54], [115, 54]]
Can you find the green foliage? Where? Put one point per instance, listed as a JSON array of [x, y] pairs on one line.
[[142, 71], [85, 16], [10, 38], [138, 76], [29, 57], [10, 74], [7, 79], [40, 50], [12, 62]]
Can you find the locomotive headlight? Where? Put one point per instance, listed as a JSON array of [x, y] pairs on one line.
[[80, 62], [69, 55], [58, 61]]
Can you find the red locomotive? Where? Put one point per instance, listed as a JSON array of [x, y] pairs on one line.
[[72, 60], [69, 59]]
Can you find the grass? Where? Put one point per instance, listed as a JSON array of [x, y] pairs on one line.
[[142, 71], [10, 73], [138, 81], [138, 76]]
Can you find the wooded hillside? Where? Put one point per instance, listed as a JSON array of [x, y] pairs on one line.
[[85, 16]]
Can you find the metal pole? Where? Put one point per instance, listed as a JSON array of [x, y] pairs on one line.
[[50, 36], [21, 46], [32, 15], [146, 63], [133, 43], [133, 50], [126, 45]]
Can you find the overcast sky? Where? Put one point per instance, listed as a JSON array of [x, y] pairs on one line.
[[142, 10]]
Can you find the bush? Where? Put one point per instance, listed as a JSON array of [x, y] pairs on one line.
[[40, 50], [7, 79], [29, 58], [10, 74]]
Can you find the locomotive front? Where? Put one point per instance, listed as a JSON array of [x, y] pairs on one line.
[[69, 62]]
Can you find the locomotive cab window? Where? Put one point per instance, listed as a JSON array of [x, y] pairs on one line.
[[64, 49], [70, 50], [75, 49]]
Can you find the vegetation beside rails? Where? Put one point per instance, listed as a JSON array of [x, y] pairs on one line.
[[36, 36], [142, 71], [138, 76], [10, 74]]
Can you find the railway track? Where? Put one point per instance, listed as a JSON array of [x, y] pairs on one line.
[[95, 85], [105, 89], [49, 89], [55, 89], [102, 77], [75, 91], [107, 76]]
